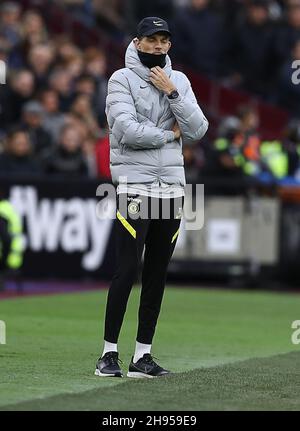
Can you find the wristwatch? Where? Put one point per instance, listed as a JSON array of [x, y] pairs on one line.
[[173, 95]]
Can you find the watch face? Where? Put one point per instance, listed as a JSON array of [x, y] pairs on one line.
[[174, 94]]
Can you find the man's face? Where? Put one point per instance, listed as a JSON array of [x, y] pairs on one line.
[[294, 15], [158, 43], [86, 86], [61, 81], [11, 17], [40, 57], [199, 4], [23, 83], [296, 51], [258, 15], [70, 140], [19, 145], [50, 101], [97, 66], [32, 119]]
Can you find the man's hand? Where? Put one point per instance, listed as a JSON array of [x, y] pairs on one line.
[[161, 81], [176, 131]]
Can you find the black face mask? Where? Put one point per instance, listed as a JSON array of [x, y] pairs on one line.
[[152, 60]]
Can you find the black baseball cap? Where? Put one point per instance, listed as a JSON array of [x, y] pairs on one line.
[[152, 25]]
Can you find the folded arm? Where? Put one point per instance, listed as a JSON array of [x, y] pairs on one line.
[[122, 116]]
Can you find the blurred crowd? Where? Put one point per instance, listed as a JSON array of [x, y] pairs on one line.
[[52, 118], [251, 45], [239, 151], [247, 44]]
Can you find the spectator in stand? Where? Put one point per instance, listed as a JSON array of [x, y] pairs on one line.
[[199, 37], [82, 10], [96, 66], [288, 33], [75, 66], [17, 157], [89, 151], [289, 91], [250, 53], [110, 16], [248, 139], [65, 49], [54, 120], [72, 83], [40, 59], [10, 14], [86, 85], [161, 8], [5, 49], [60, 80], [88, 143], [34, 29], [66, 159], [224, 157], [280, 157], [292, 138], [237, 148], [193, 161], [69, 57], [3, 55], [82, 109], [3, 92], [19, 90], [78, 124], [291, 144], [232, 9], [32, 119]]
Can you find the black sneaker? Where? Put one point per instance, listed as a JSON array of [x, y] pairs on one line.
[[108, 365], [146, 367]]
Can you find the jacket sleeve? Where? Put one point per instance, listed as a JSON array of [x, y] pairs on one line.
[[190, 118], [122, 118]]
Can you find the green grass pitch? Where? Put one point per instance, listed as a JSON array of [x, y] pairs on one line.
[[229, 350]]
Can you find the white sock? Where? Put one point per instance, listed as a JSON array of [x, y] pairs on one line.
[[109, 347], [140, 350]]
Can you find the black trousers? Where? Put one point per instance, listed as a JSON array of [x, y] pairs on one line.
[[158, 237]]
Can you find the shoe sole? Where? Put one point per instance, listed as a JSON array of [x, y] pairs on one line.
[[137, 375], [99, 374]]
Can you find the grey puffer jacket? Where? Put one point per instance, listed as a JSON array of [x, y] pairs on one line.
[[141, 118]]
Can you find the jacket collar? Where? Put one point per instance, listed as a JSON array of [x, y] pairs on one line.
[[133, 62]]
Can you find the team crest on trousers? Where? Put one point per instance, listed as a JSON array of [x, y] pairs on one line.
[[133, 207]]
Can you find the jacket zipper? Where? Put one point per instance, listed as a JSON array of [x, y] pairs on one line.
[[158, 125]]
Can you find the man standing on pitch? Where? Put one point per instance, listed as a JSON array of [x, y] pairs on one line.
[[149, 108]]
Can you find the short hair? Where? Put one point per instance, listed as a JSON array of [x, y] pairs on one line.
[[14, 130], [244, 110], [10, 6], [85, 77]]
